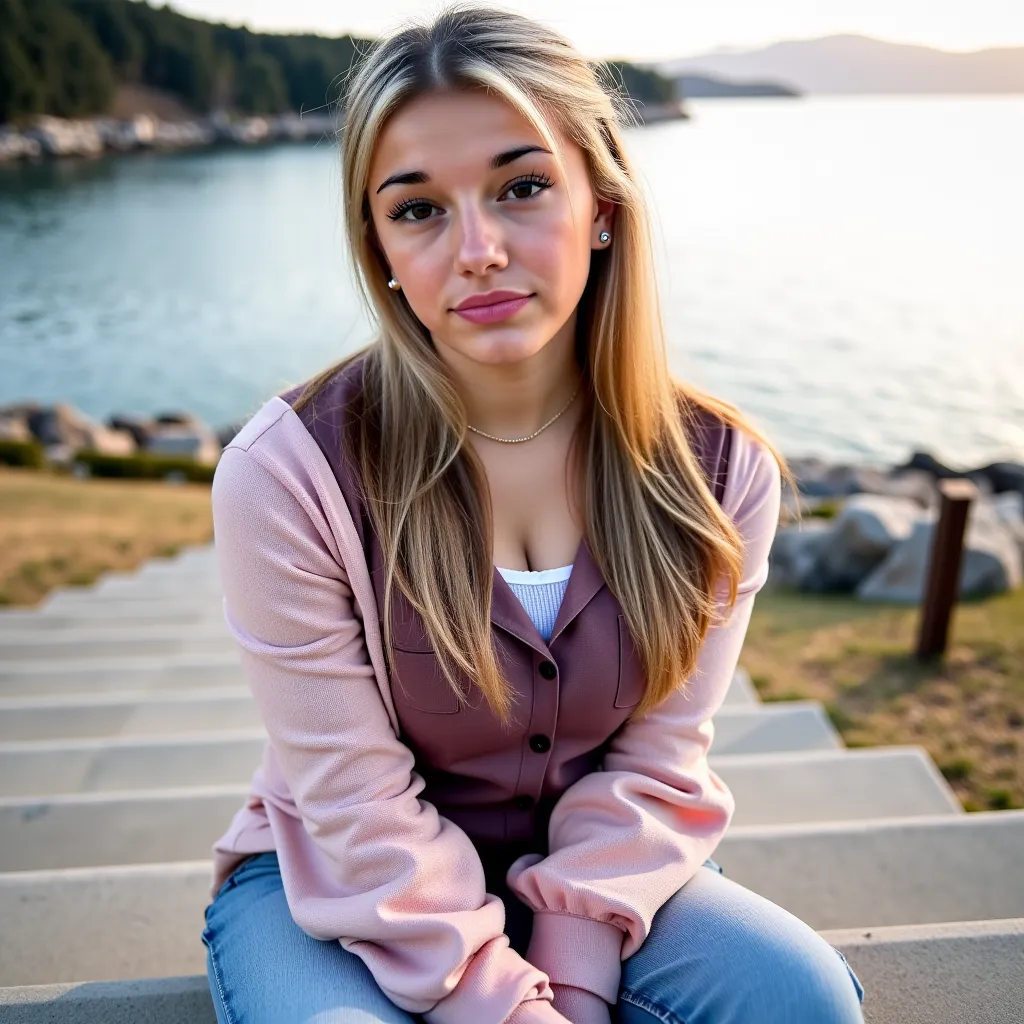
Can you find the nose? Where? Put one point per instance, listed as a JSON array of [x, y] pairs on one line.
[[479, 242]]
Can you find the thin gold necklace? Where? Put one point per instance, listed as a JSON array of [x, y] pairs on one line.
[[519, 440]]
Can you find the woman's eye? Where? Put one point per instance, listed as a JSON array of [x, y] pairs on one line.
[[524, 185], [420, 208], [423, 208]]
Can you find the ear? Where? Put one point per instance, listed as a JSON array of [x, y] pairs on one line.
[[603, 221]]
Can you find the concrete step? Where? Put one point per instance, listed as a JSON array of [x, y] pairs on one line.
[[740, 728], [812, 786], [98, 925], [970, 971], [156, 586], [766, 728], [148, 826], [43, 768], [85, 602], [151, 1001], [86, 676], [86, 925], [114, 614], [951, 867], [742, 690], [92, 641], [101, 829], [120, 715], [841, 785]]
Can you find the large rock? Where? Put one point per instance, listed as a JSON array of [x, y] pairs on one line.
[[62, 428], [794, 555], [991, 562], [821, 479], [862, 534]]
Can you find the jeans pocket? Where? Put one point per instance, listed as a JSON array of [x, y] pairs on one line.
[[714, 865]]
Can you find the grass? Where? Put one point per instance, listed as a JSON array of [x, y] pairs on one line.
[[966, 710], [59, 531]]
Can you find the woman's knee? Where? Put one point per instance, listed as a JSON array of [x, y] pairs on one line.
[[718, 953]]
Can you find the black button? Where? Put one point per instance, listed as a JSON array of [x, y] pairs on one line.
[[540, 743], [524, 802], [547, 669]]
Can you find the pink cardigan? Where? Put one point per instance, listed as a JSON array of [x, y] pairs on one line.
[[363, 860]]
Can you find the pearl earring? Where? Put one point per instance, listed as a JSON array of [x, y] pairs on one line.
[[604, 236], [394, 285]]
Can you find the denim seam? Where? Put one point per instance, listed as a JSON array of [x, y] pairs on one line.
[[228, 1015], [663, 1014]]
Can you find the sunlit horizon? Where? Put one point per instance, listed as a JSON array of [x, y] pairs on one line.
[[654, 32]]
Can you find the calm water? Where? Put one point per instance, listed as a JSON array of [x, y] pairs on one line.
[[849, 271]]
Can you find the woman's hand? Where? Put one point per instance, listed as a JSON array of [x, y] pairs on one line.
[[581, 1006]]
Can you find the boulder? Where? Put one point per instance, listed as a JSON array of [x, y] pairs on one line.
[[820, 479], [14, 428], [992, 560], [197, 443], [794, 554], [62, 427], [862, 534]]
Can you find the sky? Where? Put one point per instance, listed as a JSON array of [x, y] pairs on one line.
[[662, 29]]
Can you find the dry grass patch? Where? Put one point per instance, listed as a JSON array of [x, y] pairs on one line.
[[855, 657], [58, 531]]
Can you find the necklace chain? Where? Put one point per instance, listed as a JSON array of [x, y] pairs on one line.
[[519, 440]]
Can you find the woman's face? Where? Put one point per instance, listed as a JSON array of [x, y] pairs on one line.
[[466, 199]]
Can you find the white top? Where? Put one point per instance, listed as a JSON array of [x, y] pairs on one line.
[[540, 593]]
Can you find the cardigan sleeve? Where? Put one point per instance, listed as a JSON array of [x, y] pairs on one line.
[[625, 838], [363, 860]]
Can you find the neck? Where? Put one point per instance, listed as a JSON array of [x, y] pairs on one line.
[[516, 399]]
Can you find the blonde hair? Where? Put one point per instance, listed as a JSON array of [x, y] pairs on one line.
[[658, 535]]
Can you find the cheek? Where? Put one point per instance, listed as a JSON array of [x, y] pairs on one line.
[[559, 259]]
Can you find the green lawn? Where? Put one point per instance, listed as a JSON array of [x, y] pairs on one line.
[[966, 710]]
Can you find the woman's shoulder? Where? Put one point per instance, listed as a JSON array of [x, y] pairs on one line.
[[278, 435]]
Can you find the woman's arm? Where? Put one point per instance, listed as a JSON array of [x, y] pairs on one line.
[[626, 838], [363, 860]]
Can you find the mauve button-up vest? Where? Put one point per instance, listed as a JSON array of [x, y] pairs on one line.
[[570, 694]]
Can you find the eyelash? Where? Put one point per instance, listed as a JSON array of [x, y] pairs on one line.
[[397, 212]]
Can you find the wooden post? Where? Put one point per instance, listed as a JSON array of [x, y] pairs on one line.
[[942, 586]]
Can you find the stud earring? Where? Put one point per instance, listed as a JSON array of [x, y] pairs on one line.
[[394, 285], [604, 236]]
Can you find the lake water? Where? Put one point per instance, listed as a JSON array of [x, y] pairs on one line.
[[849, 271]]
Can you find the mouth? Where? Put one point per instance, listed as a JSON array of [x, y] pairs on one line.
[[493, 312]]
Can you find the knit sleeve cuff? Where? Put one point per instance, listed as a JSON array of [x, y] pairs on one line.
[[536, 1011], [578, 951]]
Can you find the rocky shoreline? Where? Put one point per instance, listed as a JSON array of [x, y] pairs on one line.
[[51, 137], [863, 530]]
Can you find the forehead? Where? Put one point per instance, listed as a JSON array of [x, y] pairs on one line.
[[451, 132]]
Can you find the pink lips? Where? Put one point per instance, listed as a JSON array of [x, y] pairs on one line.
[[493, 312]]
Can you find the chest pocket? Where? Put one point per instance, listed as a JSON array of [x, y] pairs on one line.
[[632, 678], [417, 681]]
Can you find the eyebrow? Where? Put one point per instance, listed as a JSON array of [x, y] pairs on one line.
[[501, 160]]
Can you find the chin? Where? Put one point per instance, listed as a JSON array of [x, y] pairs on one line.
[[498, 348]]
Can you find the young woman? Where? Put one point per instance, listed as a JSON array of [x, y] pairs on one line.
[[490, 577]]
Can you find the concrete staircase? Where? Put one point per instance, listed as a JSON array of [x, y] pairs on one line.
[[128, 737]]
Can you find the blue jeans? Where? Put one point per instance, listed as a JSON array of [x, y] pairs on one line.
[[717, 953]]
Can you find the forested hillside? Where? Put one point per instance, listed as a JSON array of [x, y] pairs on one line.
[[67, 58]]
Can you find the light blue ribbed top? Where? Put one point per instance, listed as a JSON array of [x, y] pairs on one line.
[[540, 593]]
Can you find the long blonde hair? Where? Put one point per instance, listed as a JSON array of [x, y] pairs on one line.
[[657, 533]]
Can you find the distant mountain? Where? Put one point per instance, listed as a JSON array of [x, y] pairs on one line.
[[695, 87], [860, 64]]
